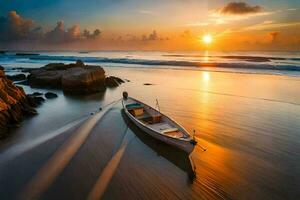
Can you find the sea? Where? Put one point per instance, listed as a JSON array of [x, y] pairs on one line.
[[243, 106]]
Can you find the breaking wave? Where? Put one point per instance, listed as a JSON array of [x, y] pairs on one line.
[[238, 62]]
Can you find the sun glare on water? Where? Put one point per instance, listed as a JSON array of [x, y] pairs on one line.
[[207, 39]]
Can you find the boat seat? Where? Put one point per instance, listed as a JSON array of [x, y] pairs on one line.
[[176, 134], [163, 127], [169, 130], [145, 115]]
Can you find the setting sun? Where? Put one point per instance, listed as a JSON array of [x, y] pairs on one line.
[[207, 39]]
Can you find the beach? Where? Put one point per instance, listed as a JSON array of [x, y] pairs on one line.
[[247, 119]]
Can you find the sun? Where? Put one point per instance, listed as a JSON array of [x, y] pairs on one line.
[[207, 39]]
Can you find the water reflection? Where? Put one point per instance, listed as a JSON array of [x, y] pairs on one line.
[[206, 57], [206, 77]]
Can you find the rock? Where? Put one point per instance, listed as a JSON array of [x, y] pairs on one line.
[[35, 101], [55, 66], [148, 84], [14, 104], [79, 63], [25, 70], [45, 78], [17, 77], [50, 95], [85, 80], [27, 54], [1, 68], [37, 94], [2, 52], [113, 81], [38, 100], [74, 78], [119, 80]]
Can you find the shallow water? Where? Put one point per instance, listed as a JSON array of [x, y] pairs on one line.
[[249, 124]]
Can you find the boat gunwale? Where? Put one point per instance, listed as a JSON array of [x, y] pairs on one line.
[[167, 136]]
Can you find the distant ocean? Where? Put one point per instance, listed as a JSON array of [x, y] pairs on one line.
[[277, 63]]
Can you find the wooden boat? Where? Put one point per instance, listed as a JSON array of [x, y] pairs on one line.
[[157, 125]]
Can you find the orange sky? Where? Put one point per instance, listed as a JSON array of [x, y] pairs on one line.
[[152, 25]]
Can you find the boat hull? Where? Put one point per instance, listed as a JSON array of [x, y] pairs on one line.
[[184, 145]]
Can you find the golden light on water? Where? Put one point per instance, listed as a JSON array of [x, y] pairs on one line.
[[207, 39], [206, 76]]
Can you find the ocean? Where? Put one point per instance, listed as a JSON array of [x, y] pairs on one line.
[[244, 107], [280, 63]]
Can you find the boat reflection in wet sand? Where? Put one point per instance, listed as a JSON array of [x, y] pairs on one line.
[[176, 156], [157, 125]]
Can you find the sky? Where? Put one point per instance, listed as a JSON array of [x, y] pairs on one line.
[[150, 24]]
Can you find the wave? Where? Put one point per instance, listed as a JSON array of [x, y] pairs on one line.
[[177, 63], [245, 58]]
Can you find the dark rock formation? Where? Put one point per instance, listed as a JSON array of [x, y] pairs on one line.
[[17, 77], [50, 95], [74, 78], [85, 80], [113, 81], [35, 101], [1, 68], [27, 54], [37, 94], [24, 70], [148, 84], [14, 104]]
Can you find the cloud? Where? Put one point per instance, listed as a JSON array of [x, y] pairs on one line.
[[186, 34], [273, 36], [240, 8], [59, 34], [153, 37], [195, 24], [271, 26], [15, 28], [237, 11], [292, 9], [93, 35], [147, 12], [72, 34]]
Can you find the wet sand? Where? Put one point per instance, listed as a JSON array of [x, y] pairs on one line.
[[248, 123]]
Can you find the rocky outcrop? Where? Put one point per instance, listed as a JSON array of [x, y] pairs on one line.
[[83, 80], [113, 81], [35, 99], [17, 77], [14, 104], [27, 54], [50, 95], [74, 78]]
